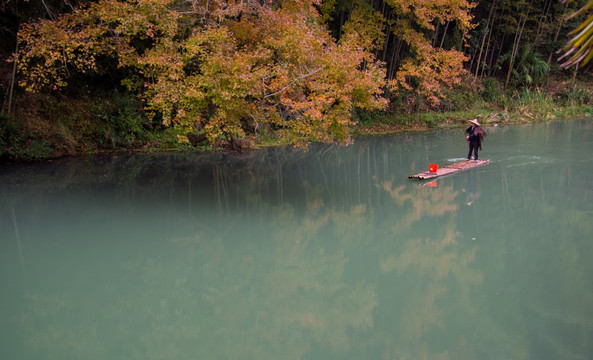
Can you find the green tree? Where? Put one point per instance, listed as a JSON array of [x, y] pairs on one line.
[[509, 30]]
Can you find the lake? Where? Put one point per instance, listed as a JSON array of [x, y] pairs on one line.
[[331, 253]]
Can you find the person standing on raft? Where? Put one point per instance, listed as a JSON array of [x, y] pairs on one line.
[[475, 135]]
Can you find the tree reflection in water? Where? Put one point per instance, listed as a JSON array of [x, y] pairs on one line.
[[283, 254]]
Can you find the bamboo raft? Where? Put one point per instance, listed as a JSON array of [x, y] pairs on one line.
[[449, 169]]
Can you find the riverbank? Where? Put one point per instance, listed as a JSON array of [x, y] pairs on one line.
[[45, 127], [428, 121], [557, 101]]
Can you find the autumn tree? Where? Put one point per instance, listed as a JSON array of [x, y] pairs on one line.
[[430, 68], [410, 37], [227, 68]]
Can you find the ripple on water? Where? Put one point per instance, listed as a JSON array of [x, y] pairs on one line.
[[526, 160]]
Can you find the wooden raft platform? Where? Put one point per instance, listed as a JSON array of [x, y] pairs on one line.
[[450, 169]]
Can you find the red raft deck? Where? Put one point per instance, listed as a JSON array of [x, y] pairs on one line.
[[449, 169]]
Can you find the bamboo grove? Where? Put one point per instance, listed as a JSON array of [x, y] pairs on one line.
[[295, 70]]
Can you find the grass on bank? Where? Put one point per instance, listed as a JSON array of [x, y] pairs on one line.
[[517, 106]]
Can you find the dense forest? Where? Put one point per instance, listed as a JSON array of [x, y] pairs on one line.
[[82, 76]]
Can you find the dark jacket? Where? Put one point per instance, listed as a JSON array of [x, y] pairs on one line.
[[477, 134]]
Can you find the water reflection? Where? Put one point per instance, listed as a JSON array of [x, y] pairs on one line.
[[332, 253]]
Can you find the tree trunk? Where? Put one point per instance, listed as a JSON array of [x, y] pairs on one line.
[[540, 23], [489, 61], [13, 76], [488, 27], [486, 53], [436, 34], [387, 38], [574, 75], [516, 44], [444, 34], [394, 58], [558, 32], [500, 48]]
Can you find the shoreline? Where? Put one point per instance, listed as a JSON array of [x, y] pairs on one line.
[[377, 129]]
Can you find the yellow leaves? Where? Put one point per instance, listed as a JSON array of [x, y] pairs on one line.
[[425, 13], [365, 28], [228, 66], [244, 31], [74, 41], [145, 18], [181, 139], [313, 82], [430, 70], [277, 65]]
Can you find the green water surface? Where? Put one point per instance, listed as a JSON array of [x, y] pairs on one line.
[[327, 254]]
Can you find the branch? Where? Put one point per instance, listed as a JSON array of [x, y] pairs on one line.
[[294, 81]]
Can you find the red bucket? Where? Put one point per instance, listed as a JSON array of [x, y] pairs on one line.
[[433, 168]]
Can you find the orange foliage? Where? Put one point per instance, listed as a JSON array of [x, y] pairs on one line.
[[430, 69], [233, 68], [240, 65]]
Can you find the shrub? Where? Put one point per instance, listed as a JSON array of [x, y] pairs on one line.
[[119, 123], [15, 143], [492, 89], [574, 96]]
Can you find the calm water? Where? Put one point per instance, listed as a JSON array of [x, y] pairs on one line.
[[329, 254]]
